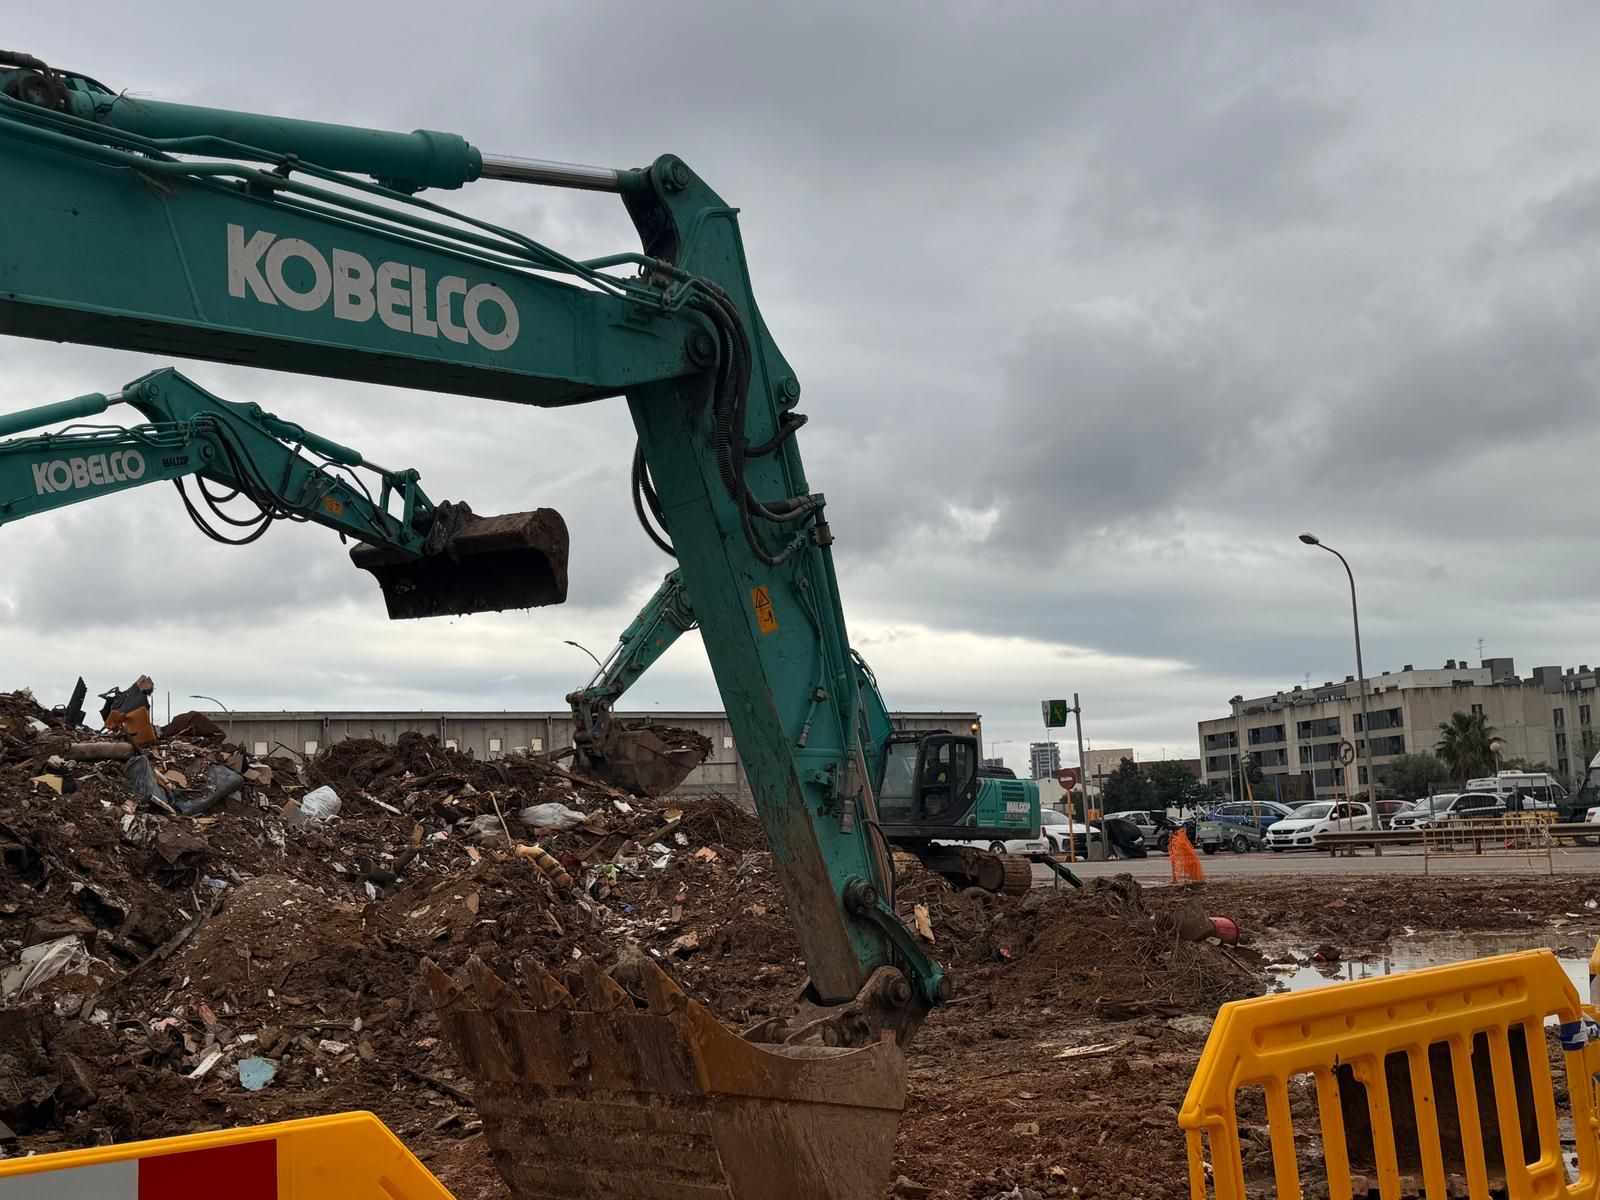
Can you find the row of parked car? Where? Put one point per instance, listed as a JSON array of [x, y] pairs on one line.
[[1251, 825], [1245, 825]]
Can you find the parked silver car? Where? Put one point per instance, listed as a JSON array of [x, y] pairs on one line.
[[1448, 806]]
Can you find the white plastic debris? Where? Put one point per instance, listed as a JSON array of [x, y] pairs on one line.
[[486, 827], [329, 1046], [552, 815], [318, 805], [206, 1063], [660, 856], [140, 829], [39, 964]]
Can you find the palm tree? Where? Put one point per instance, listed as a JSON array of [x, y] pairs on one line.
[[1463, 746]]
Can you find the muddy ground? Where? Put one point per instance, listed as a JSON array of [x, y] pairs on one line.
[[251, 939]]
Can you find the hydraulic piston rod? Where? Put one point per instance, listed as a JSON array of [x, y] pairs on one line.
[[551, 174]]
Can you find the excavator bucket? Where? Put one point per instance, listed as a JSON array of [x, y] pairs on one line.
[[474, 564], [647, 760], [599, 1095]]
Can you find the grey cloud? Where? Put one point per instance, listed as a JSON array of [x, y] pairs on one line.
[[1246, 165], [1125, 410], [1095, 305], [1570, 219]]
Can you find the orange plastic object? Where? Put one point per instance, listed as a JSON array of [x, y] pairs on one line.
[[1439, 1050], [1185, 862], [352, 1156]]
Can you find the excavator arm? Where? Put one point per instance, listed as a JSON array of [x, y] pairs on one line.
[[635, 756], [282, 472], [245, 239]]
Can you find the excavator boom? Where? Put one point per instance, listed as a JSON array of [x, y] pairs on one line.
[[246, 239]]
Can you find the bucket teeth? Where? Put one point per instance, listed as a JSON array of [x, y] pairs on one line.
[[544, 991], [601, 992], [487, 988], [663, 996], [446, 992], [587, 1093]]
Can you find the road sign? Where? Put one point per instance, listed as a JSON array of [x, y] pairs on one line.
[[1067, 777], [1347, 753], [1055, 713]]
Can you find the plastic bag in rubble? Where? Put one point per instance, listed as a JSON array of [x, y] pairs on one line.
[[553, 815], [37, 965], [141, 774], [486, 827], [224, 782], [140, 830], [316, 806]]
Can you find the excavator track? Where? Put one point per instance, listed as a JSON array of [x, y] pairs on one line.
[[1018, 880], [967, 866]]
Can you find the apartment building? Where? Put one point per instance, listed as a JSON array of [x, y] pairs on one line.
[[1295, 736], [1044, 759]]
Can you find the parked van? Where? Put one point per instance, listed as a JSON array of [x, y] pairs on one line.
[[1542, 788]]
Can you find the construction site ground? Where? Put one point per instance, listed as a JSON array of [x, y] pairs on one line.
[[254, 964]]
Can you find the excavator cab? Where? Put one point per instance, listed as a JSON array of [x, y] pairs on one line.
[[926, 780], [931, 792]]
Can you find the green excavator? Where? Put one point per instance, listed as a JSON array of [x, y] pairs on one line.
[[911, 772], [292, 245]]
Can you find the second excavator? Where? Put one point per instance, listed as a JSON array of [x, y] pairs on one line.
[[928, 805]]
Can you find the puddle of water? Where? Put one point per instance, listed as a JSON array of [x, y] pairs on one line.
[[1431, 950]]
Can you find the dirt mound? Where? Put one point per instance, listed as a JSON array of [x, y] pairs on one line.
[[257, 932], [1119, 951]]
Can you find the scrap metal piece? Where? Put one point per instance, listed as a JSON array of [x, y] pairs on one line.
[[474, 564], [661, 1101]]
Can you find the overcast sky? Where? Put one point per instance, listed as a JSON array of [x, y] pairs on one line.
[[1096, 307]]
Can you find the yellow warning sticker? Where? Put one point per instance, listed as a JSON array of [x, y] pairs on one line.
[[762, 600], [336, 507]]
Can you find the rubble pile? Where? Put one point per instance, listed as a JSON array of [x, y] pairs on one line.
[[162, 973]]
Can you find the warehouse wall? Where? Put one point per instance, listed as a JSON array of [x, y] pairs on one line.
[[488, 735]]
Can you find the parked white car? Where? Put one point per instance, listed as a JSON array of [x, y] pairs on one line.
[[1055, 826], [1299, 830], [1449, 806]]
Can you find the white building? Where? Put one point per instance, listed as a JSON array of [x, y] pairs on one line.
[[1295, 736]]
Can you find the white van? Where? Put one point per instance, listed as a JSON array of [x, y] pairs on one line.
[[1542, 788]]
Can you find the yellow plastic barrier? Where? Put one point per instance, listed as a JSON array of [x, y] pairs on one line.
[[1470, 1073], [352, 1156]]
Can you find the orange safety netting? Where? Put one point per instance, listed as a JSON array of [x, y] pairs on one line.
[[1185, 862]]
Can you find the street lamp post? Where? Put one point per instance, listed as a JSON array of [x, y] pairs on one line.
[[1311, 539], [213, 699], [586, 650]]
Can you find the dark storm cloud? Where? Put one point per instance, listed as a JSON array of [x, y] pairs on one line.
[[1095, 305]]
